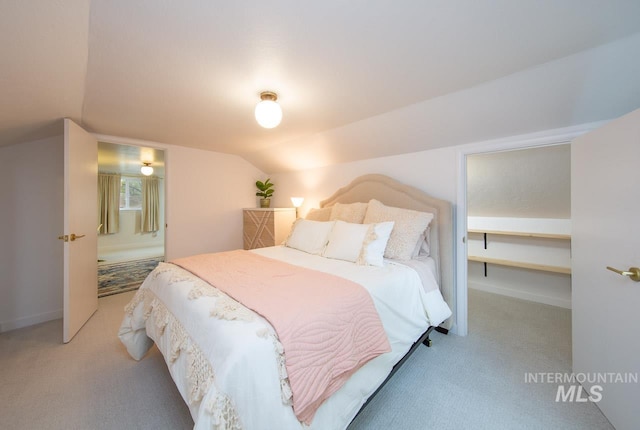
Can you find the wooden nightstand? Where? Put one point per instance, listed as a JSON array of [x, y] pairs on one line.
[[266, 227]]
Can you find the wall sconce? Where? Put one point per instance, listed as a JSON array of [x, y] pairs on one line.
[[268, 112], [297, 202], [146, 170]]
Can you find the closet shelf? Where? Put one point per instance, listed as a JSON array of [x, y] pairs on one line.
[[523, 234], [521, 264]]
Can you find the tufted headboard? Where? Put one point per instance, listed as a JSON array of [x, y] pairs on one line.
[[393, 193]]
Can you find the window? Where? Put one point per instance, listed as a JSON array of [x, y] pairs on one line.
[[130, 193]]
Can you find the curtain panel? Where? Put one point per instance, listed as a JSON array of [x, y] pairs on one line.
[[109, 203], [150, 219]]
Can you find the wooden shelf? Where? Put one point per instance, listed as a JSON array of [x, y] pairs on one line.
[[523, 234], [521, 264]]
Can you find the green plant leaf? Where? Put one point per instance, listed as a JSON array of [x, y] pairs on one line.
[[266, 188]]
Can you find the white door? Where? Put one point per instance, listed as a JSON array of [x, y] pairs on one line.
[[80, 228], [605, 206]]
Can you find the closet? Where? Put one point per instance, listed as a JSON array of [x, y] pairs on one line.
[[519, 223]]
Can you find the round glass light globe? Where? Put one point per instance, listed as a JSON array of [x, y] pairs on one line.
[[268, 113], [146, 170]]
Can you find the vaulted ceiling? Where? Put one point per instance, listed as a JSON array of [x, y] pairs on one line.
[[190, 72]]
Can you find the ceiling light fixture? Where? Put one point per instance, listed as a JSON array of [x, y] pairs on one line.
[[268, 112], [146, 170]]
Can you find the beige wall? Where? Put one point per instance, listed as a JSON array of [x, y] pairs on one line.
[[206, 192]]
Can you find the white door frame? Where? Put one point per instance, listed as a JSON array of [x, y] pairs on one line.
[[546, 138]]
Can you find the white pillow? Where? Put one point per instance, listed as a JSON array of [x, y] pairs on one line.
[[346, 240], [309, 236], [408, 229], [373, 251], [359, 243]]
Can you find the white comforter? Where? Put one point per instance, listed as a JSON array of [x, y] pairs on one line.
[[227, 362]]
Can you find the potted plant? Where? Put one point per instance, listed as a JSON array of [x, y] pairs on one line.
[[265, 190]]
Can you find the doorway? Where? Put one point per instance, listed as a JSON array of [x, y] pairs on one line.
[[550, 137], [131, 240], [519, 223]]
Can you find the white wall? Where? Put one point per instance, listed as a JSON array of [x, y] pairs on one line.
[[31, 219], [206, 192], [431, 171], [523, 183]]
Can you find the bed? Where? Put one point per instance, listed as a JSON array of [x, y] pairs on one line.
[[228, 360]]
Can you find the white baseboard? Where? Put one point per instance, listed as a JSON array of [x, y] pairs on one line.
[[31, 320], [553, 301]]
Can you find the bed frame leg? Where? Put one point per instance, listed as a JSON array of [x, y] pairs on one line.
[[428, 342]]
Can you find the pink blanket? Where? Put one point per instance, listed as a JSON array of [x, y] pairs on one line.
[[328, 325]]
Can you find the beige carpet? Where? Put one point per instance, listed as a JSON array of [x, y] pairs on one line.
[[460, 383], [90, 383]]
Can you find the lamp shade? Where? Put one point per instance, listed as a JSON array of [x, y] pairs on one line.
[[268, 112], [297, 201]]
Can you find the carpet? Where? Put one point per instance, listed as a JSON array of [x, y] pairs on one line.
[[124, 276], [470, 383]]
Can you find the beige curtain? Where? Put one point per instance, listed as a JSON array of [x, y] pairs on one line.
[[150, 205], [109, 203]]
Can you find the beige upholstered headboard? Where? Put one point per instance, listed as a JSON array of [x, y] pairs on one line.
[[393, 193]]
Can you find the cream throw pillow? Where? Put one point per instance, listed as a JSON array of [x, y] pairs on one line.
[[321, 214], [349, 212], [408, 229]]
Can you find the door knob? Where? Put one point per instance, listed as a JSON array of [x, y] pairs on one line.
[[70, 237], [633, 273]]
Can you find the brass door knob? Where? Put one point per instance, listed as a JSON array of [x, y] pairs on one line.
[[633, 273]]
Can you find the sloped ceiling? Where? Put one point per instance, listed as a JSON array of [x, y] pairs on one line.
[[190, 73]]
